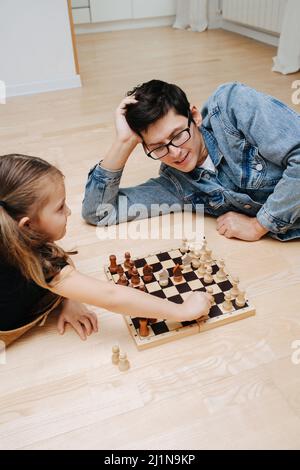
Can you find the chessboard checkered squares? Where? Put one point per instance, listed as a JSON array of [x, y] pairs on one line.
[[170, 291], [153, 286], [196, 284]]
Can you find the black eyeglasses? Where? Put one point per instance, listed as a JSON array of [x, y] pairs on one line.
[[179, 139]]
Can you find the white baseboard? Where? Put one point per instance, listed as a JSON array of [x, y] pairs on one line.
[[272, 40], [40, 87], [124, 24]]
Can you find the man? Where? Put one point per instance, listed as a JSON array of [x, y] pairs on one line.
[[239, 158]]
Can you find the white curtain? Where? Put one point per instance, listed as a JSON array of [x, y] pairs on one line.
[[191, 14], [288, 54]]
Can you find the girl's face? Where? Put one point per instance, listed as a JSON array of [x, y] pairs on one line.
[[52, 219]]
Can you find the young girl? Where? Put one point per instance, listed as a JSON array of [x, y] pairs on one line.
[[38, 277]]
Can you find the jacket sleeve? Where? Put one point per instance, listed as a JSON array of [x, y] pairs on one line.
[[274, 129], [106, 204]]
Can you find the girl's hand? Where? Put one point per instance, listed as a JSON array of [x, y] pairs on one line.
[[195, 306], [82, 320], [124, 132]]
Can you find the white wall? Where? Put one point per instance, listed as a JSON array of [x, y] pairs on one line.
[[36, 52]]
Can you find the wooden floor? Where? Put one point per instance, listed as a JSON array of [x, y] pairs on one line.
[[233, 387]]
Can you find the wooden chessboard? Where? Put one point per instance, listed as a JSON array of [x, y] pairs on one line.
[[163, 331]]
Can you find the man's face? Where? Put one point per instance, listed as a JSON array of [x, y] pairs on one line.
[[190, 154]]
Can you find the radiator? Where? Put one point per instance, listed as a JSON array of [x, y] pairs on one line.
[[266, 15]]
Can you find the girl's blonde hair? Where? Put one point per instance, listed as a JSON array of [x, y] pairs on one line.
[[22, 192]]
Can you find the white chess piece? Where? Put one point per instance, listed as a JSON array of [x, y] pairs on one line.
[[203, 248], [235, 290], [201, 270], [123, 362], [227, 304], [115, 354], [196, 259], [208, 257], [208, 275], [221, 275], [240, 300], [184, 247], [210, 291], [163, 278], [186, 261]]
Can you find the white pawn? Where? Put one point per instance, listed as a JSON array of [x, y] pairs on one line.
[[208, 257], [115, 354], [163, 278], [240, 300], [196, 259], [221, 275], [201, 270], [184, 247], [235, 290], [208, 275], [123, 362], [227, 304], [210, 291]]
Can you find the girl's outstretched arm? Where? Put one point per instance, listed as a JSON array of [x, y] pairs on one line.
[[125, 300]]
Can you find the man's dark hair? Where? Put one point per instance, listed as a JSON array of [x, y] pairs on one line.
[[155, 98]]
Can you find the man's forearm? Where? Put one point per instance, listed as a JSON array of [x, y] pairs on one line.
[[118, 154]]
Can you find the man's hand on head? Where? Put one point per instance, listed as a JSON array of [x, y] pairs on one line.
[[235, 225], [124, 133]]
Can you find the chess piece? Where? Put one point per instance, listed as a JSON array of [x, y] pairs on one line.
[[201, 270], [163, 278], [130, 268], [148, 273], [143, 328], [240, 300], [221, 275], [123, 362], [203, 248], [196, 259], [113, 267], [208, 279], [208, 257], [184, 247], [115, 354], [142, 287], [235, 290], [186, 261], [135, 277], [127, 260], [177, 273], [120, 269], [122, 281], [191, 248], [210, 291], [227, 304]]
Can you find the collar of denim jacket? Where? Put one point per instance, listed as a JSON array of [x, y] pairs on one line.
[[212, 145]]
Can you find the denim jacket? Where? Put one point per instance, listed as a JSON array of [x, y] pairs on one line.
[[254, 143]]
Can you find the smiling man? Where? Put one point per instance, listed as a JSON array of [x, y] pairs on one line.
[[239, 158]]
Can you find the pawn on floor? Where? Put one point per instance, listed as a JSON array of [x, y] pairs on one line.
[[115, 354], [123, 362]]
